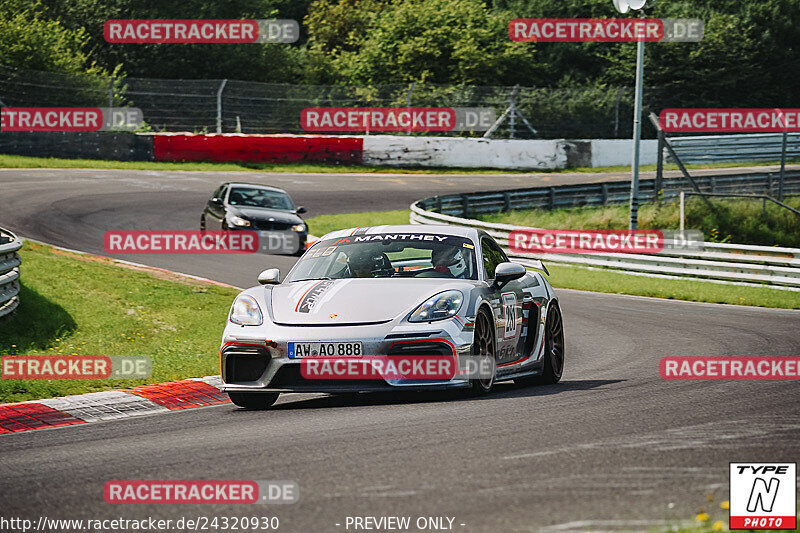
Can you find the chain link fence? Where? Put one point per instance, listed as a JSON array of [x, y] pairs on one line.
[[207, 106]]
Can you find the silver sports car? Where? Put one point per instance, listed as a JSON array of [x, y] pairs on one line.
[[391, 292]]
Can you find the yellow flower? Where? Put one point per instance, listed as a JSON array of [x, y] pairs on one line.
[[701, 517], [717, 525], [725, 505]]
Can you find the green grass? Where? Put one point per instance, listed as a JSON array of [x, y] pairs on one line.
[[570, 277], [739, 221], [323, 224], [18, 161], [82, 305]]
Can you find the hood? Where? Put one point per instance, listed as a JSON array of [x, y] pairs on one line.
[[351, 301], [263, 213]]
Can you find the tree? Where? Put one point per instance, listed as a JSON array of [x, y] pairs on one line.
[[434, 41], [256, 62], [30, 41]]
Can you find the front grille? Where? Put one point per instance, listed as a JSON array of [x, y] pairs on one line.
[[244, 363], [265, 225], [290, 377]]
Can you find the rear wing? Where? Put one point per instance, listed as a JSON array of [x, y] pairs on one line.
[[535, 264]]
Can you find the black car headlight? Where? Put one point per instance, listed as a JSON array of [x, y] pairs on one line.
[[438, 307], [239, 221]]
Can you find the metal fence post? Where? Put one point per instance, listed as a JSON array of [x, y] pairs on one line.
[[408, 102], [111, 92], [511, 116], [783, 166], [219, 105], [637, 135], [659, 166]]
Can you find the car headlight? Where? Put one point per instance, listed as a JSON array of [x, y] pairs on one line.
[[299, 228], [438, 307], [245, 311], [239, 221]]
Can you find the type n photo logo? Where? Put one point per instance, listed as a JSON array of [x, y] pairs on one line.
[[763, 495]]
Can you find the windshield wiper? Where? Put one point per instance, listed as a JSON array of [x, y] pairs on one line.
[[310, 279]]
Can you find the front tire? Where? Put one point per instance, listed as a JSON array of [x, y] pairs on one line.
[[254, 401], [483, 345]]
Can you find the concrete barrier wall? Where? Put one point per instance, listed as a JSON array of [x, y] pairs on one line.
[[258, 148], [78, 145], [616, 152], [389, 150], [397, 150]]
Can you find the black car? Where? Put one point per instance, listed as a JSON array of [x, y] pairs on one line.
[[249, 206]]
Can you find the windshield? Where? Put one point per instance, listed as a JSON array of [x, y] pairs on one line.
[[388, 255], [252, 197]]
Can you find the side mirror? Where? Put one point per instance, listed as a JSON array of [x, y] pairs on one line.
[[300, 210], [271, 276], [505, 272], [216, 201]]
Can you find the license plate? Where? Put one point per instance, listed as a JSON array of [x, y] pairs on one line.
[[298, 350]]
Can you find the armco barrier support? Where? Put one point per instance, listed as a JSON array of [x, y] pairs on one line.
[[9, 272], [258, 148]]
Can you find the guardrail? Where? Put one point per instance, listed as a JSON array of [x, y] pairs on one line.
[[9, 272], [736, 147], [598, 194], [721, 262]]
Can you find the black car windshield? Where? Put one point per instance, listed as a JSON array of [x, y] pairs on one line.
[[388, 255], [252, 197]]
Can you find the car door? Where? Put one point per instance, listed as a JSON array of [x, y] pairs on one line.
[[216, 211], [506, 303]]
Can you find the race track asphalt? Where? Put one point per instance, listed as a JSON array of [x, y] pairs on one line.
[[613, 446]]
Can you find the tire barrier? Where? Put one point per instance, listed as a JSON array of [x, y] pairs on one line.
[[9, 272]]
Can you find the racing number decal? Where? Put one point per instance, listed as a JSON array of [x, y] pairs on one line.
[[510, 314]]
